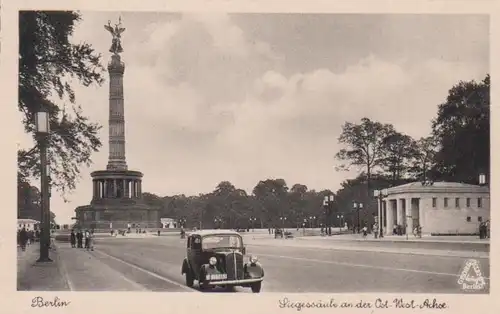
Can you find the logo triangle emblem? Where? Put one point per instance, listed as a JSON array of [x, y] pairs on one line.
[[471, 277]]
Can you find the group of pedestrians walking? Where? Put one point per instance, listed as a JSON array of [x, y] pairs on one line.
[[26, 237], [484, 230], [77, 239]]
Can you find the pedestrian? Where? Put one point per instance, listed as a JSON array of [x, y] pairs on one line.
[[158, 232], [91, 241], [79, 237], [365, 232], [23, 238], [87, 239], [72, 238], [31, 237], [482, 230]]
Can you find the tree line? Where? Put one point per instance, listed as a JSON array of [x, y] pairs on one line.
[[456, 150]]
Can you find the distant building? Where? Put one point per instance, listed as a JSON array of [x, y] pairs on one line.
[[168, 223], [438, 207], [27, 224]]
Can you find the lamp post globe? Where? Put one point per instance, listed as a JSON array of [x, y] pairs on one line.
[[482, 179], [42, 129]]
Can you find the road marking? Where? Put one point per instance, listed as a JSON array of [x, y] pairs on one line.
[[364, 265], [148, 272]]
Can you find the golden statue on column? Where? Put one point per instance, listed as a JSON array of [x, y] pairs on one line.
[[116, 32]]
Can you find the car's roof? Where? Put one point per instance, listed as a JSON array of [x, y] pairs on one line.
[[213, 232]]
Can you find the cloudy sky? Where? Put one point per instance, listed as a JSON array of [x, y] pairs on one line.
[[245, 97]]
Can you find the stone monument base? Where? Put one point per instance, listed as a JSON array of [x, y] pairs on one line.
[[117, 214]]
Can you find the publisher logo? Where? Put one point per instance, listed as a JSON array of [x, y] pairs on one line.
[[471, 277]]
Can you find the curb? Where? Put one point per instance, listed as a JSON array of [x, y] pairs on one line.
[[397, 241], [429, 253]]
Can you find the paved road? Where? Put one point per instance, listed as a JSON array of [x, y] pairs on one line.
[[154, 264]]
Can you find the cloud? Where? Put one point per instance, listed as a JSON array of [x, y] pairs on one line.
[[206, 101]]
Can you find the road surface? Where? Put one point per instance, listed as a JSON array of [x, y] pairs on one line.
[[153, 264]]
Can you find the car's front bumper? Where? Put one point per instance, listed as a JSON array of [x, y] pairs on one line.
[[233, 282]]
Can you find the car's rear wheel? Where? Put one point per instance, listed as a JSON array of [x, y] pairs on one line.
[[256, 287], [189, 278]]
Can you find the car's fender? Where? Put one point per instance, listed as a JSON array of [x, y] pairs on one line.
[[254, 270], [185, 266]]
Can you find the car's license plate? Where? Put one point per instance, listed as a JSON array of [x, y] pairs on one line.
[[216, 276]]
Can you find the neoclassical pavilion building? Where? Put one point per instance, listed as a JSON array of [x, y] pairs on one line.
[[438, 207]]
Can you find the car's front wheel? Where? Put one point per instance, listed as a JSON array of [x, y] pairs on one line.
[[256, 287], [189, 279]]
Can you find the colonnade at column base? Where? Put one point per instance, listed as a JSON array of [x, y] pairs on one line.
[[113, 215], [116, 225]]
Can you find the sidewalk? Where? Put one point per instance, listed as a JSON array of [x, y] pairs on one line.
[[327, 245], [34, 276]]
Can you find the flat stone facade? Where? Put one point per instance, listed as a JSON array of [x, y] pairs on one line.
[[439, 207]]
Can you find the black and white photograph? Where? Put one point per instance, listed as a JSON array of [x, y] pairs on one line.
[[217, 152]]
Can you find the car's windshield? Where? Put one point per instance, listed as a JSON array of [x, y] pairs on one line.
[[217, 241]]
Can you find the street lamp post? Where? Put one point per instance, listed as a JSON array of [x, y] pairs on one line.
[[340, 218], [283, 219], [182, 222], [406, 225], [357, 207], [311, 221], [380, 194], [252, 221], [42, 125], [217, 223], [328, 203]]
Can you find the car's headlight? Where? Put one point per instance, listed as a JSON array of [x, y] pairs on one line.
[[253, 259], [212, 261]]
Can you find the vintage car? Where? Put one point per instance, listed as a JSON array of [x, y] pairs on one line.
[[216, 258]]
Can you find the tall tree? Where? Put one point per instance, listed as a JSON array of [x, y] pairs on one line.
[[365, 145], [48, 62], [272, 197], [28, 201], [462, 129], [398, 154], [424, 158]]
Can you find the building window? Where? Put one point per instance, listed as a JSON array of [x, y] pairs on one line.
[[479, 202], [468, 219], [445, 202], [434, 202], [457, 202], [480, 219], [468, 202]]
